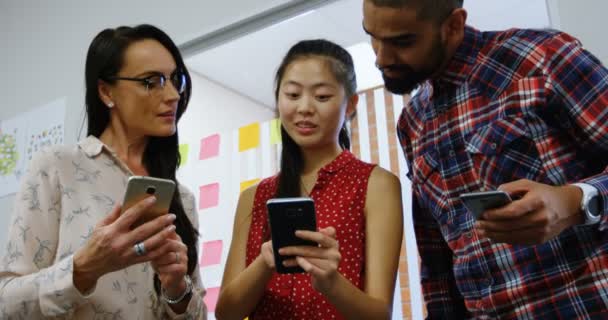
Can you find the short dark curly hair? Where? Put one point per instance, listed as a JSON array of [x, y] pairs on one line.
[[435, 10]]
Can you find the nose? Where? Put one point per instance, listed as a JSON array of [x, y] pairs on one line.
[[305, 105], [171, 92], [384, 54]]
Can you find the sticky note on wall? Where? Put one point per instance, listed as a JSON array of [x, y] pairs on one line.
[[209, 196], [275, 131], [210, 298], [249, 137], [249, 183], [184, 150], [210, 147], [211, 253]]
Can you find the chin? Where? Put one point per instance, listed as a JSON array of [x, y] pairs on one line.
[[162, 132], [306, 142]]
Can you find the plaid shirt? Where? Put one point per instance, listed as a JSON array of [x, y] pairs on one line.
[[519, 104]]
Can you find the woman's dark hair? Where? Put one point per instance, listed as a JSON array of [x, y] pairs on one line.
[[161, 158], [342, 67]]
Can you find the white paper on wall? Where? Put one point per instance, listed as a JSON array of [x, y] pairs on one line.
[[24, 135]]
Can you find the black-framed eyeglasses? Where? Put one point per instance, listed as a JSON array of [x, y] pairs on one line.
[[157, 81]]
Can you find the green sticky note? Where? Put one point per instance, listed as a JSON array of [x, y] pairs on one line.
[[275, 131], [183, 151]]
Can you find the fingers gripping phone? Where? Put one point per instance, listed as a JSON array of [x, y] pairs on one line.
[[478, 202], [285, 216], [141, 187]]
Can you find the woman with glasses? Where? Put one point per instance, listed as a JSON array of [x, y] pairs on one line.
[[71, 253]]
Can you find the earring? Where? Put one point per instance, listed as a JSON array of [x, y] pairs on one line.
[[111, 105]]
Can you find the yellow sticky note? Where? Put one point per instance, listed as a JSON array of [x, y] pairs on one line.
[[275, 131], [248, 183], [249, 137], [183, 151]]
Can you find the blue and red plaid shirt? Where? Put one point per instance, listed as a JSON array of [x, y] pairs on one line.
[[518, 104]]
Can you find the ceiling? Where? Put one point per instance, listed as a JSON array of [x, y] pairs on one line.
[[247, 65]]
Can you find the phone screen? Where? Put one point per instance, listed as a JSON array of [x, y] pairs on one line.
[[286, 216]]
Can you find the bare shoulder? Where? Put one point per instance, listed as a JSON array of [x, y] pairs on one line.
[[381, 179], [245, 204], [383, 192]]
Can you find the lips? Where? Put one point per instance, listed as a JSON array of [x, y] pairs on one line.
[[305, 128], [167, 114], [305, 125]]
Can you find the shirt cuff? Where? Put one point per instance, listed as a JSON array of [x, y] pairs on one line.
[[57, 293], [600, 182], [196, 307]]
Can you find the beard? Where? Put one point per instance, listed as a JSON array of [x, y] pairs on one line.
[[412, 78]]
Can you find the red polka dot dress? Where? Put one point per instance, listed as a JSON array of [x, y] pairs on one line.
[[339, 196]]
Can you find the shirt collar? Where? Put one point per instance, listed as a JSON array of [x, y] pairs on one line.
[[339, 163], [92, 146], [464, 59]]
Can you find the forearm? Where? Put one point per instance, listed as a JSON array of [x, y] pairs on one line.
[[239, 298], [353, 303]]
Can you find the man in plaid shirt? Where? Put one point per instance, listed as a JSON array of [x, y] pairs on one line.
[[522, 111]]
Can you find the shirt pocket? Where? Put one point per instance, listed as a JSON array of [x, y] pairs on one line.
[[503, 151]]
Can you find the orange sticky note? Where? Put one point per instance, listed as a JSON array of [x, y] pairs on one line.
[[249, 137], [248, 183]]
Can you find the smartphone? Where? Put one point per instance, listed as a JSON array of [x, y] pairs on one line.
[[478, 202], [285, 216], [141, 187]]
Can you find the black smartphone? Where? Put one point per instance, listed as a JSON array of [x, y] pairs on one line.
[[478, 202], [141, 187], [285, 216]]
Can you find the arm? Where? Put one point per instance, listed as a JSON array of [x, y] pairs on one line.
[[578, 81], [33, 283], [193, 307], [242, 286], [383, 234]]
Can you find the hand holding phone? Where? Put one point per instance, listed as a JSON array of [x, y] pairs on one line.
[[141, 187], [479, 202], [286, 216]]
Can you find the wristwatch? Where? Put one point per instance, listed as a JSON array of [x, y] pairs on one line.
[[590, 203]]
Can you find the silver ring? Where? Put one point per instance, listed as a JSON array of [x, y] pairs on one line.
[[176, 257], [140, 249]]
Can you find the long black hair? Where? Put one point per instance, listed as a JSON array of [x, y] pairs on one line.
[[343, 69], [161, 157]]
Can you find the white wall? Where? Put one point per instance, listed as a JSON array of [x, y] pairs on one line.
[[217, 109], [43, 46], [584, 19]]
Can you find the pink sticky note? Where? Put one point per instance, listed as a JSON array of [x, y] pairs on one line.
[[211, 298], [211, 253], [209, 196], [210, 147]]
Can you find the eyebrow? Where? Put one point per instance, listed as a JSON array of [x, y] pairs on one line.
[[316, 85], [397, 37], [153, 73]]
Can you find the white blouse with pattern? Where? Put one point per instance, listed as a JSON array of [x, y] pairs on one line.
[[66, 191]]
